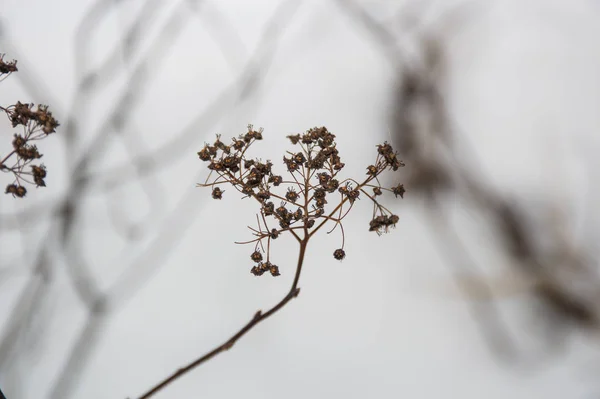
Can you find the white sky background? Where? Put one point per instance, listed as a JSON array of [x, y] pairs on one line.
[[521, 73]]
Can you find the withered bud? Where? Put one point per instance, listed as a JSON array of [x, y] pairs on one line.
[[377, 191]]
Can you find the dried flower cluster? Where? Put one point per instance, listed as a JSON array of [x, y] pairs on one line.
[[311, 197], [36, 125]]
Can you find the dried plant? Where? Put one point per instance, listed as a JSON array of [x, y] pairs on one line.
[[313, 196], [37, 124]]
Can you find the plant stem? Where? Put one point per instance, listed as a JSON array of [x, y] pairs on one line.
[[258, 317]]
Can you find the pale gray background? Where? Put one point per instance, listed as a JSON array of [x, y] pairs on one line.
[[523, 88]]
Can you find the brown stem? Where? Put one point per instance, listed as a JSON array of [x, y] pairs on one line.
[[258, 317], [6, 157]]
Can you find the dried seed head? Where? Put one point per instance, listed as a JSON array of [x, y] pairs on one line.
[[294, 138], [319, 193], [353, 195], [339, 254], [204, 154], [248, 191], [382, 223], [309, 223], [238, 145], [377, 191], [299, 158], [291, 195], [21, 191], [276, 180], [16, 190], [274, 234], [399, 190], [292, 166], [332, 185], [28, 152], [298, 214], [339, 165], [268, 209], [217, 193], [39, 173], [281, 210], [18, 142], [284, 223], [274, 270], [7, 67], [324, 178], [263, 195], [372, 170], [320, 203], [256, 256]]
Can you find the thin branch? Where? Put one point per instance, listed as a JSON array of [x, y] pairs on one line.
[[258, 317]]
